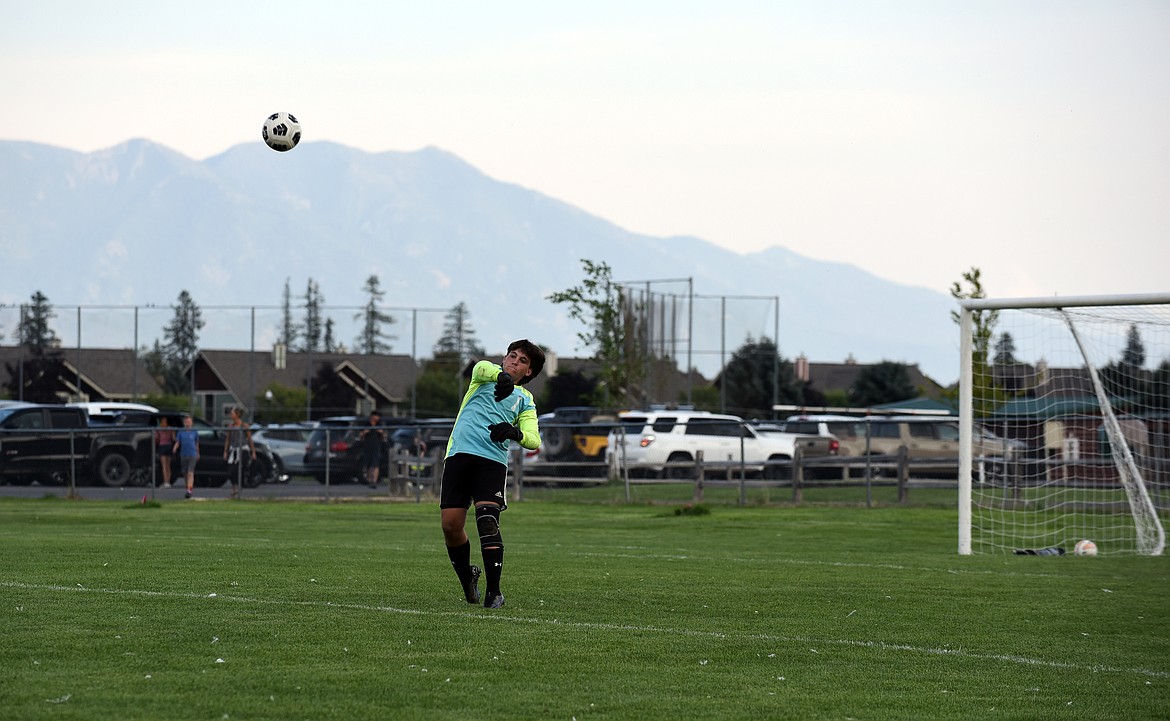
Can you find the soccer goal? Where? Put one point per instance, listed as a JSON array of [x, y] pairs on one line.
[[1064, 424]]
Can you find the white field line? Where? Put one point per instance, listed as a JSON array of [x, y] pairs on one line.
[[665, 631]]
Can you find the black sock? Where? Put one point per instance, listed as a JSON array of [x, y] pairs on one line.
[[493, 566], [461, 559]]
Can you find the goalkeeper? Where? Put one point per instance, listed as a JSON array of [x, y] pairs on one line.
[[495, 410]]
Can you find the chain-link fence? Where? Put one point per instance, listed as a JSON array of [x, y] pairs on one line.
[[672, 328]]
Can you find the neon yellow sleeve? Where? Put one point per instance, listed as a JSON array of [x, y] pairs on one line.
[[530, 429], [485, 372]]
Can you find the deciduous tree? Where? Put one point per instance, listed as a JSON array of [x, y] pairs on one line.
[[884, 382], [756, 378], [600, 304], [986, 394]]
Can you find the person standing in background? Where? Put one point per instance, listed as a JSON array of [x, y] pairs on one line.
[[373, 448], [187, 446], [238, 449], [166, 449]]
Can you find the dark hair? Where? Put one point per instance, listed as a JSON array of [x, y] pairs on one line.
[[535, 358]]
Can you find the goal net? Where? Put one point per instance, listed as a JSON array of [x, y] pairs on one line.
[[1064, 424]]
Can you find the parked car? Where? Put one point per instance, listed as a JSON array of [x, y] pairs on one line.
[[435, 433], [932, 442], [105, 412], [573, 442], [47, 443], [664, 442], [288, 442], [848, 430], [334, 445], [44, 443]]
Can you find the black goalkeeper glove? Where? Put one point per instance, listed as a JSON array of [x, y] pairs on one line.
[[504, 386], [504, 432]]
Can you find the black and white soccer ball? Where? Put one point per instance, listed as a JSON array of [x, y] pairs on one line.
[[282, 131]]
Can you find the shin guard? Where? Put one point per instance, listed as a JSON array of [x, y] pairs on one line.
[[487, 520]]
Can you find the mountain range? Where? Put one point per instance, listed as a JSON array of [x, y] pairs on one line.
[[135, 224]]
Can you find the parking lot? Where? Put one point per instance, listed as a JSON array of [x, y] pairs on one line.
[[297, 488]]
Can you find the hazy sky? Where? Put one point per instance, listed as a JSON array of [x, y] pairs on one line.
[[912, 139]]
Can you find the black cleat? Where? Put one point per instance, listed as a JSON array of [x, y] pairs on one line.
[[494, 600], [471, 586]]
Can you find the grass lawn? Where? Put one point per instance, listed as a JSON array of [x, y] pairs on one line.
[[264, 610]]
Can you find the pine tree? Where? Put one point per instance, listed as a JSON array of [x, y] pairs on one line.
[[37, 378], [182, 333], [330, 345], [1125, 377], [288, 328], [33, 331], [458, 338], [372, 339], [313, 327], [181, 344], [1005, 350], [1134, 354]]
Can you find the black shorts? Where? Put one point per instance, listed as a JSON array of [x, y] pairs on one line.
[[468, 478], [371, 460]]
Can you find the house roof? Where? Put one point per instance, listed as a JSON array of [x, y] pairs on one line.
[[385, 378], [109, 374], [1048, 407], [841, 376]]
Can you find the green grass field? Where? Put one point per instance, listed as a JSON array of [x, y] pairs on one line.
[[263, 610]]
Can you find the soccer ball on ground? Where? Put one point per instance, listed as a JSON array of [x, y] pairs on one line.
[[281, 131], [1085, 548]]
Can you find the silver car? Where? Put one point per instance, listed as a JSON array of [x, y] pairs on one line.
[[287, 442]]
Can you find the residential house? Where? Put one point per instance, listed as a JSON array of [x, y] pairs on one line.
[[225, 378], [89, 374], [828, 377]]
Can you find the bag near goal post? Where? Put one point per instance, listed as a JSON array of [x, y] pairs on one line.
[[1078, 388]]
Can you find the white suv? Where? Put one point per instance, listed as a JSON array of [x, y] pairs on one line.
[[665, 442]]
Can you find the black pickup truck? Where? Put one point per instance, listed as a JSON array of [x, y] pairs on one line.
[[50, 444], [44, 443]]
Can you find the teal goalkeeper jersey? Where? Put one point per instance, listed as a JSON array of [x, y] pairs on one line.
[[480, 410]]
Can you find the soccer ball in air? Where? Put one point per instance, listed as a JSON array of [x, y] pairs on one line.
[[1085, 548], [281, 131]]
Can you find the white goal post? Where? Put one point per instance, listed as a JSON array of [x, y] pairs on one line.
[[1074, 395]]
